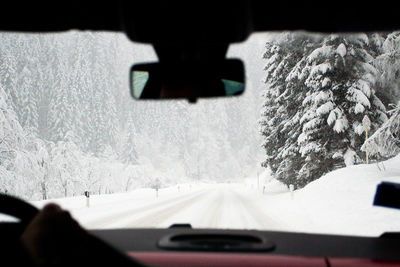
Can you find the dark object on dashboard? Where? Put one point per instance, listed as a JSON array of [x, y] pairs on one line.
[[215, 242], [187, 79], [387, 195], [391, 235], [181, 225], [286, 243]]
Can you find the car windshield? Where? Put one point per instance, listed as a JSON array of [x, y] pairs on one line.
[[302, 150]]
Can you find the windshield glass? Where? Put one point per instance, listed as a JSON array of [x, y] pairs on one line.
[[302, 150]]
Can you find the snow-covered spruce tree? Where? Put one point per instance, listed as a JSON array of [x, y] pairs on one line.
[[278, 65], [284, 94], [27, 96], [35, 167], [388, 65], [98, 140], [340, 85], [60, 113], [128, 154], [105, 78], [11, 142], [8, 67], [385, 142], [65, 164]]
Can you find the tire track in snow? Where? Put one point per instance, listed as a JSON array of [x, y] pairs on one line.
[[219, 207], [145, 215], [213, 216], [262, 220], [156, 217], [231, 208]]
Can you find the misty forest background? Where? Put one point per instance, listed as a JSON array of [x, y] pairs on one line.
[[68, 123]]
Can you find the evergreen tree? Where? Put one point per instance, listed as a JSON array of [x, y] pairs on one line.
[[26, 91], [60, 111], [385, 142], [387, 63], [340, 92], [28, 99], [319, 90], [129, 154], [11, 142], [284, 93]]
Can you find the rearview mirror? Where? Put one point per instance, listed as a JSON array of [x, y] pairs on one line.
[[190, 80]]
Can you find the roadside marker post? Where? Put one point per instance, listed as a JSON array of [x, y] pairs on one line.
[[157, 185], [87, 195]]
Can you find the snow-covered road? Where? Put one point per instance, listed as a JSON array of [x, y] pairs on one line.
[[207, 206], [221, 206], [338, 203]]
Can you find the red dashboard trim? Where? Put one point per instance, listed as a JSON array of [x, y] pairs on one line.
[[224, 259], [338, 262], [170, 259]]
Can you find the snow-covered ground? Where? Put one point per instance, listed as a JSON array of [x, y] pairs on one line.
[[338, 203], [202, 205]]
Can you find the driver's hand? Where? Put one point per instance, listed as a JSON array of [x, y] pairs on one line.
[[54, 237]]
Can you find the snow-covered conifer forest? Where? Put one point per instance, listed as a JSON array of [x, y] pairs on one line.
[[68, 123], [320, 92]]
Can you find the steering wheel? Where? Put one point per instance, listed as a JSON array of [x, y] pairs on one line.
[[17, 208], [90, 255]]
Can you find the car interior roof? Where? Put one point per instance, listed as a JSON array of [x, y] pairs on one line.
[[118, 16]]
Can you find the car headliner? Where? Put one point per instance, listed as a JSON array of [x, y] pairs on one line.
[[226, 22]]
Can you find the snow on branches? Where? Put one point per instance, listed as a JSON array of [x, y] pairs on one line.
[[330, 84], [385, 142]]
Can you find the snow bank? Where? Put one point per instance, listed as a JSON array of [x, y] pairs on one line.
[[275, 187], [338, 203]]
